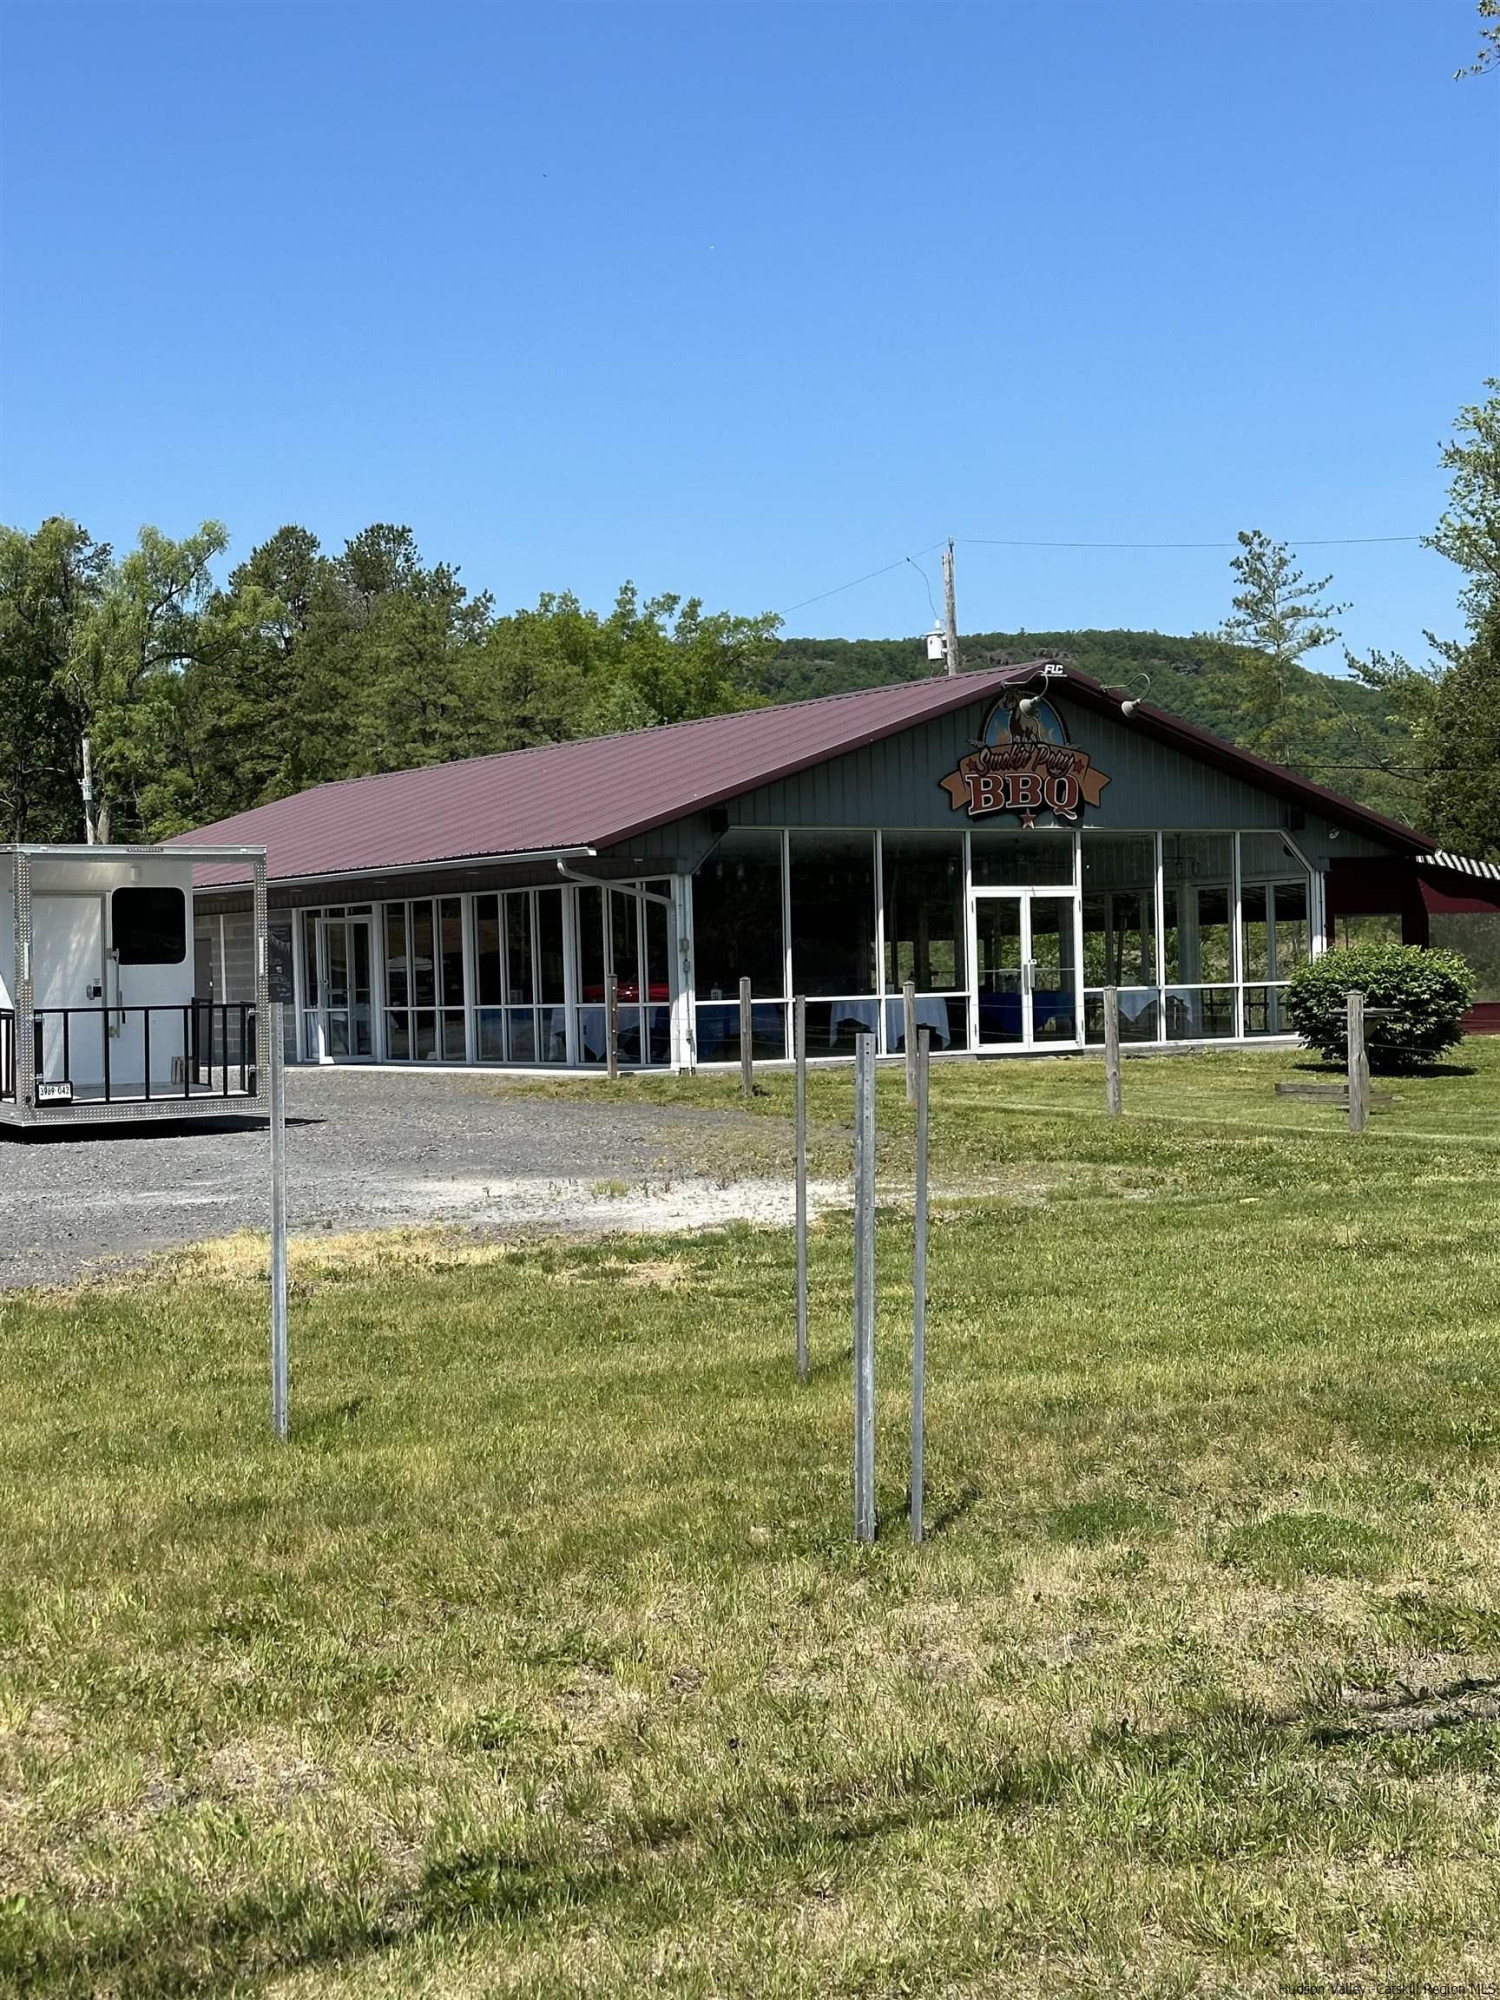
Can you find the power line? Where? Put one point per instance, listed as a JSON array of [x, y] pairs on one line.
[[996, 542], [931, 605], [854, 582], [1325, 542]]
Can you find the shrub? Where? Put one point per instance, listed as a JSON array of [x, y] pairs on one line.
[[1428, 992]]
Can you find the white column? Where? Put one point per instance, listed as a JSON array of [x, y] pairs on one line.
[[971, 945], [1236, 952], [572, 1041], [681, 973], [786, 932], [1161, 946], [880, 943]]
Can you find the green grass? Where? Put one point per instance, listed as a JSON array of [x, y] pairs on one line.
[[541, 1662]]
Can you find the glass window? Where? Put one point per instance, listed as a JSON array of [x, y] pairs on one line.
[[487, 973], [833, 913], [624, 943], [1119, 910], [1474, 933], [397, 990], [1255, 934], [658, 955], [518, 952], [423, 968], [452, 914], [1290, 905], [1265, 1011], [834, 1026], [1371, 929], [719, 1031], [591, 947], [310, 957], [1199, 1013], [1214, 928], [549, 949], [1139, 1014], [1011, 860], [1197, 872], [945, 1019], [737, 931], [924, 912], [148, 926]]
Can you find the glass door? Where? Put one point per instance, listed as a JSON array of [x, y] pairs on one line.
[[346, 1020], [1026, 968], [1052, 982], [1000, 969]]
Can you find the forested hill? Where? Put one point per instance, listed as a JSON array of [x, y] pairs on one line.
[[1345, 733], [201, 695]]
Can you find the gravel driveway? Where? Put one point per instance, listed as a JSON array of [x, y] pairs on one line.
[[375, 1149]]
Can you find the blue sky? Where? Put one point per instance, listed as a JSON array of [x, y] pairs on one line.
[[750, 300]]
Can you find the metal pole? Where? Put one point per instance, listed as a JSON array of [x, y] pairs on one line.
[[909, 1036], [277, 1096], [919, 1295], [864, 1289], [747, 1041], [612, 1025], [950, 613], [1112, 1091], [799, 1052], [1359, 1065], [88, 793]]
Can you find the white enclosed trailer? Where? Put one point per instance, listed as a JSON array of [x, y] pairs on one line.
[[99, 1018]]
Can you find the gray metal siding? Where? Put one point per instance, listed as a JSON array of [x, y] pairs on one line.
[[896, 783]]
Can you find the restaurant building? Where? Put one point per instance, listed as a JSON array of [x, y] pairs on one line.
[[1013, 840]]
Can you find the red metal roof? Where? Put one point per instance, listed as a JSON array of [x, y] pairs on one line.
[[606, 789]]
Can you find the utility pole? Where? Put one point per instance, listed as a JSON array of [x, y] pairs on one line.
[[950, 615], [88, 793]]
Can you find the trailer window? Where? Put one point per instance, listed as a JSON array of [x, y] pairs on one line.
[[149, 926]]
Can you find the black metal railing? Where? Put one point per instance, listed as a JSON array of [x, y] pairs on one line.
[[105, 1055], [7, 1055]]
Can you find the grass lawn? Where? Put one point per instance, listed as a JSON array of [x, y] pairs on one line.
[[541, 1661]]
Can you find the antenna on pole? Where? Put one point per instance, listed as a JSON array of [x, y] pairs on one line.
[[88, 793], [950, 615]]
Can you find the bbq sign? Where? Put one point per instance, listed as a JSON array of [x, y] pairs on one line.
[[1025, 764]]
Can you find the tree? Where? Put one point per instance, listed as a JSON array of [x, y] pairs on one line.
[[50, 582], [1279, 617], [1489, 41], [1451, 705], [1461, 746], [1468, 533], [124, 676]]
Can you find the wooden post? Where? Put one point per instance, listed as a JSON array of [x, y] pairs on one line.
[[1359, 1065], [950, 614], [747, 1041], [799, 1054], [612, 1025], [1112, 1092], [864, 1289], [277, 1108], [909, 1036], [919, 1295]]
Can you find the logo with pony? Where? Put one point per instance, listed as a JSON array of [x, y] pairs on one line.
[[1024, 764]]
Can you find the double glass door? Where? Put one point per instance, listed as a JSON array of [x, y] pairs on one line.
[[1026, 968], [344, 1016]]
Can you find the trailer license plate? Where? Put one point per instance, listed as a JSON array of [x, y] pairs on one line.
[[54, 1093]]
